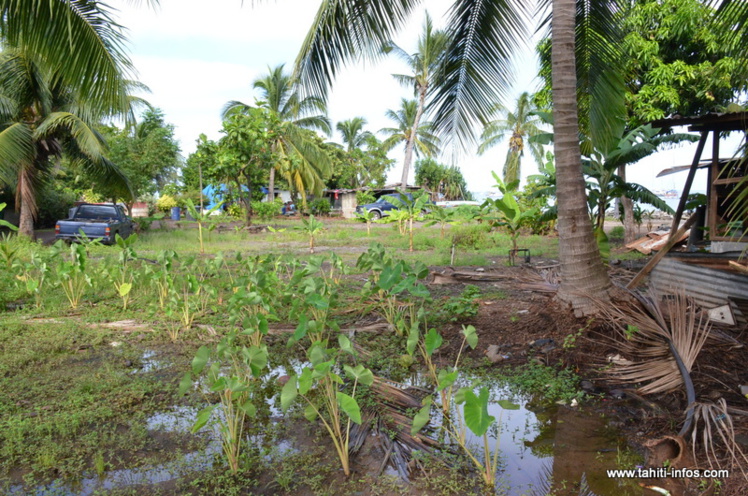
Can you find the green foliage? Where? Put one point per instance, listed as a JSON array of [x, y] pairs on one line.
[[463, 307], [546, 383], [616, 233], [264, 210], [165, 203], [54, 202], [4, 223], [320, 206], [447, 182], [364, 197]]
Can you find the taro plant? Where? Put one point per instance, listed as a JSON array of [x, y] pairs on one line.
[[34, 274], [312, 228], [72, 276], [233, 375], [200, 218], [121, 275], [9, 251], [162, 278], [395, 288], [319, 385]]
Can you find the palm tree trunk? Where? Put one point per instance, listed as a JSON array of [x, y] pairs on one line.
[[410, 144], [582, 271], [26, 200], [271, 185]]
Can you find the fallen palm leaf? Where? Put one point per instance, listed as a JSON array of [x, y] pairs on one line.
[[717, 420]]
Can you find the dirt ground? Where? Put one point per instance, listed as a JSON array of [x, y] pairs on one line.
[[531, 325]]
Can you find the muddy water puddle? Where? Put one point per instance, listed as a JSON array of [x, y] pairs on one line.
[[544, 450]]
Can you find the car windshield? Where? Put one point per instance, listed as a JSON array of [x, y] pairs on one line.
[[383, 199], [96, 212]]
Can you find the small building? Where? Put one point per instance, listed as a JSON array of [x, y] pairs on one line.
[[344, 200], [711, 270]]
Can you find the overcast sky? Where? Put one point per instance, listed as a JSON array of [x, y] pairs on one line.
[[196, 55]]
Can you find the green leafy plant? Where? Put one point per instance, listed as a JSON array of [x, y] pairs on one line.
[[71, 274], [366, 216], [409, 211], [508, 213], [312, 228], [121, 276], [267, 210], [201, 218], [443, 217], [464, 306], [5, 223], [320, 206], [335, 409], [235, 386]]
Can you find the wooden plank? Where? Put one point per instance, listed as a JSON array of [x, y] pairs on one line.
[[689, 181], [655, 260]]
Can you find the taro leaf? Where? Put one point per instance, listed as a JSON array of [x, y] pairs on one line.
[[349, 406], [508, 405], [446, 379], [301, 330], [249, 409], [345, 344], [335, 378], [202, 418], [201, 358], [263, 324], [288, 393], [258, 359], [420, 269], [317, 301], [390, 276], [124, 288], [420, 420], [317, 354], [459, 396], [420, 291], [219, 385], [413, 337], [476, 412], [185, 383], [236, 385], [433, 341], [305, 381], [310, 413], [322, 369], [470, 335], [360, 373], [404, 284]]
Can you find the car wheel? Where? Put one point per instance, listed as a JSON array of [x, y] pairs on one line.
[[376, 214]]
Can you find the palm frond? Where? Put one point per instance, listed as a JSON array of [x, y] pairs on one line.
[[641, 194], [716, 420], [234, 107], [88, 140], [477, 69], [342, 31], [78, 40], [16, 147]]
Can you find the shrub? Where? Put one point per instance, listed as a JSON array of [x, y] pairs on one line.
[[165, 203], [470, 235], [364, 197], [236, 211], [267, 210], [617, 233], [54, 204], [320, 206]]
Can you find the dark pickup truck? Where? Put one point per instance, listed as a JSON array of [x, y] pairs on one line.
[[100, 222]]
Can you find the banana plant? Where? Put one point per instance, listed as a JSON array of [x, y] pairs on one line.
[[442, 216], [312, 227], [412, 210], [507, 212], [367, 216], [201, 217]]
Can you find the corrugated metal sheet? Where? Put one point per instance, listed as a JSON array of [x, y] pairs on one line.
[[709, 286]]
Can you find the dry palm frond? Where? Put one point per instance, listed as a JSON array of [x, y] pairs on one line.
[[716, 420], [648, 330]]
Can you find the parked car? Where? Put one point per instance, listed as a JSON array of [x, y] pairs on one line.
[[383, 206], [102, 222]]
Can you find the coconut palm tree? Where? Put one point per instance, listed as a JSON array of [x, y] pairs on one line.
[[353, 133], [423, 141], [484, 37], [521, 124], [41, 119], [79, 42], [299, 161], [424, 64]]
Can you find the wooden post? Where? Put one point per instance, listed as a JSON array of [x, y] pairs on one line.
[[689, 182], [656, 259]]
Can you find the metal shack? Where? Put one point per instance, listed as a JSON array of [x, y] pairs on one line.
[[711, 271]]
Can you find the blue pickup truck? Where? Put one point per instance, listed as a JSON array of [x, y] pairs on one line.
[[97, 221]]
